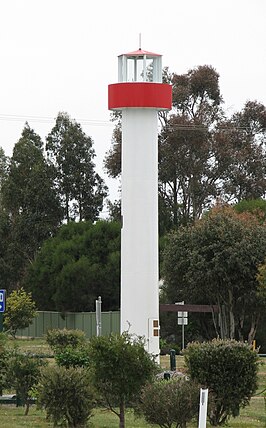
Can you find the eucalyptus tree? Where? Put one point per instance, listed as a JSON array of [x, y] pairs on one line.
[[240, 147], [30, 202], [4, 222], [71, 152], [203, 154], [3, 169], [5, 262], [186, 171]]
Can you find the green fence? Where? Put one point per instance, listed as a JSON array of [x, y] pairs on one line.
[[85, 321]]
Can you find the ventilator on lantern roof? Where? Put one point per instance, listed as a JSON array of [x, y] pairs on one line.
[[140, 66]]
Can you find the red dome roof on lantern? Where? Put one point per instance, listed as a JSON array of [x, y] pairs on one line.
[[140, 52]]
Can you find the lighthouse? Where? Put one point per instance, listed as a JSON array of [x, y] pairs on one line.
[[140, 94]]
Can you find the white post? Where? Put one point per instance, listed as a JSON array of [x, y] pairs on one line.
[[99, 316], [203, 408], [183, 332]]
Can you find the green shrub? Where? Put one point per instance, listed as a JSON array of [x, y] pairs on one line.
[[165, 347], [59, 339], [4, 357], [174, 346], [170, 403], [66, 395], [120, 367], [23, 373], [20, 311], [229, 370], [69, 357], [3, 341]]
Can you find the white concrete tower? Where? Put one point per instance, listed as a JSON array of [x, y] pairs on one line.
[[140, 93]]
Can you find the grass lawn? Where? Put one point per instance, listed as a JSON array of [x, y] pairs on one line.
[[252, 416], [36, 346], [13, 417]]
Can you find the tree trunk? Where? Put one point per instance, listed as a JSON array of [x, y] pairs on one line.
[[253, 328], [80, 210], [175, 209], [222, 320], [122, 415], [215, 323], [27, 408], [231, 316], [240, 326], [67, 209]]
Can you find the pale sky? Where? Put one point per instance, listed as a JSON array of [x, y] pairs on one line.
[[60, 55]]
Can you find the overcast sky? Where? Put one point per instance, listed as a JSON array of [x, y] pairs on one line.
[[60, 55]]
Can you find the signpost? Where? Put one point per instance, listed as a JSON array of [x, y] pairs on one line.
[[2, 307], [182, 319]]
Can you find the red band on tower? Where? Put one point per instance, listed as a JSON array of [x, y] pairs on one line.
[[140, 95]]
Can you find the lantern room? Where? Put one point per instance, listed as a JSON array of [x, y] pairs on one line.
[[140, 66]]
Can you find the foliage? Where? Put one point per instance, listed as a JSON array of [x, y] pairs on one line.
[[254, 206], [59, 339], [170, 403], [31, 202], [8, 273], [66, 395], [166, 346], [187, 174], [3, 169], [261, 277], [23, 373], [39, 187], [20, 311], [203, 155], [112, 161], [229, 370], [114, 209], [69, 347], [121, 367], [240, 142], [72, 357], [76, 266], [4, 358], [215, 262], [71, 153], [185, 168]]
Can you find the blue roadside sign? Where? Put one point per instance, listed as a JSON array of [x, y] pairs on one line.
[[2, 300]]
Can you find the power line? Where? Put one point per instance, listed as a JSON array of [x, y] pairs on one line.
[[105, 123], [48, 119]]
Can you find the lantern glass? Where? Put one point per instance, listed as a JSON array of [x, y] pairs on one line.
[[140, 68]]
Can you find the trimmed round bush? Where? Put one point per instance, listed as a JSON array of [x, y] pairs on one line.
[[59, 339], [170, 403], [229, 370]]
